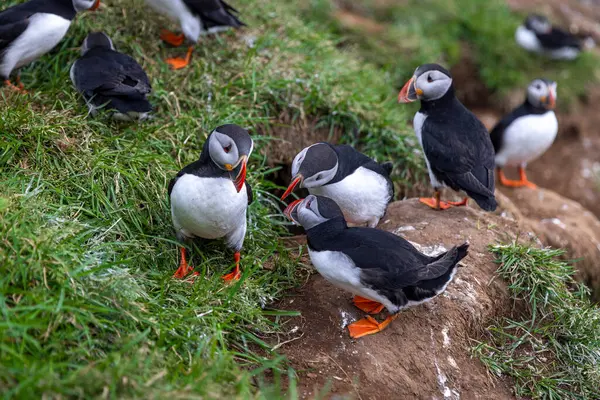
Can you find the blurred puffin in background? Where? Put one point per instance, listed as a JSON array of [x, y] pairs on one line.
[[195, 17], [527, 132], [30, 30], [457, 146]]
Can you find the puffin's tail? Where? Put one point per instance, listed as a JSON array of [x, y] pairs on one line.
[[487, 203], [446, 262], [387, 166]]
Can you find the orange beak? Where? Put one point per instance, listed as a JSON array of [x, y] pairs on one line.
[[292, 186], [290, 209], [409, 92], [551, 100], [95, 6], [240, 179]]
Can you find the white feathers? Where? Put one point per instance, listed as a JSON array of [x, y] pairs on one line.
[[418, 123], [528, 40], [527, 138], [43, 33], [176, 10], [209, 208]]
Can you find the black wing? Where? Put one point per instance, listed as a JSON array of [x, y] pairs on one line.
[[249, 193], [557, 38], [215, 13], [11, 31], [497, 132]]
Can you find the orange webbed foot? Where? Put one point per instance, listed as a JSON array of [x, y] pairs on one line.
[[366, 305], [19, 87], [522, 182], [462, 203], [184, 269], [368, 326], [235, 275], [172, 38], [178, 62], [433, 203]]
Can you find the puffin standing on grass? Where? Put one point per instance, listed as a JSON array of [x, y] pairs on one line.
[[30, 30], [210, 196], [457, 146], [196, 17], [537, 35], [358, 184], [380, 268], [107, 78], [527, 132]]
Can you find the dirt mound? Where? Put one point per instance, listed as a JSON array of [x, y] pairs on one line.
[[559, 223], [424, 354]]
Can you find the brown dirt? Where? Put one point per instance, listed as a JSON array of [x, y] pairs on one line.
[[424, 354]]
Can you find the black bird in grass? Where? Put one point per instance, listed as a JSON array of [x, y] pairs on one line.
[[378, 267], [112, 80], [30, 30], [457, 146], [196, 18]]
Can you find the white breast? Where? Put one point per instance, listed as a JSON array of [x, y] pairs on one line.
[[528, 40], [363, 196], [209, 208], [44, 32], [340, 270], [418, 123], [527, 138], [178, 11], [564, 53]]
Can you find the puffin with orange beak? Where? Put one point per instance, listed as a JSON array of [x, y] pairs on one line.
[[527, 132], [209, 197], [457, 147], [30, 30]]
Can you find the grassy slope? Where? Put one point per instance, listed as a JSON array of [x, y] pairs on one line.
[[86, 244]]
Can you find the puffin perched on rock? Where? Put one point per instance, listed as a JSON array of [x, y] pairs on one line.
[[457, 146], [527, 132], [30, 30], [358, 184], [196, 17], [537, 35], [210, 196], [378, 267], [107, 78]]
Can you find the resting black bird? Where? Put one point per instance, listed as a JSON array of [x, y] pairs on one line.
[[30, 30], [196, 17], [457, 146], [380, 268], [112, 80]]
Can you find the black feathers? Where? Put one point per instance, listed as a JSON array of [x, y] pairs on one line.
[[214, 13]]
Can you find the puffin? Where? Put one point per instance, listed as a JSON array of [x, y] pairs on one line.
[[537, 35], [457, 146], [210, 196], [381, 269], [358, 184], [112, 80], [30, 30], [527, 132], [196, 17]]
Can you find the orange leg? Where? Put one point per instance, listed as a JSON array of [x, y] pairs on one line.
[[172, 38], [366, 305], [435, 202], [369, 326], [178, 62], [461, 203], [522, 182], [18, 88], [184, 268], [236, 274]]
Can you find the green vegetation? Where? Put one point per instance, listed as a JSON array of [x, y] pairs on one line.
[[553, 350]]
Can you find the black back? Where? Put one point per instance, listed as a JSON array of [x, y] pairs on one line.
[[214, 13], [557, 39], [497, 133]]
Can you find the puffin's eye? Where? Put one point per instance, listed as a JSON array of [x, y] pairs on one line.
[[318, 177], [429, 79], [227, 149]]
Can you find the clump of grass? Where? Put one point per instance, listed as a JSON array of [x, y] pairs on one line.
[[553, 350]]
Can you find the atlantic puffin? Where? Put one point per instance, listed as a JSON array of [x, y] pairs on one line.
[[112, 80], [458, 150], [30, 30], [196, 17], [537, 35], [381, 269], [358, 184], [209, 197], [527, 132]]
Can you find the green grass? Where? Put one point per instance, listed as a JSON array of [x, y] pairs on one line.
[[87, 248], [552, 351]]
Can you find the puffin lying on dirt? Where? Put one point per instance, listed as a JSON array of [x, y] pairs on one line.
[[380, 268], [210, 196], [457, 146], [527, 132], [30, 30], [358, 184], [537, 35], [196, 17], [107, 78]]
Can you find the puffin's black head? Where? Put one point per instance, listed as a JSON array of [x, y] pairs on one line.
[[538, 24], [84, 5], [96, 39], [314, 166], [430, 82], [542, 93], [313, 211], [229, 147]]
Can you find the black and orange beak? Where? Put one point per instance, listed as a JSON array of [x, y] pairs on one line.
[[409, 92], [240, 179], [289, 210], [95, 6], [551, 99], [298, 179]]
